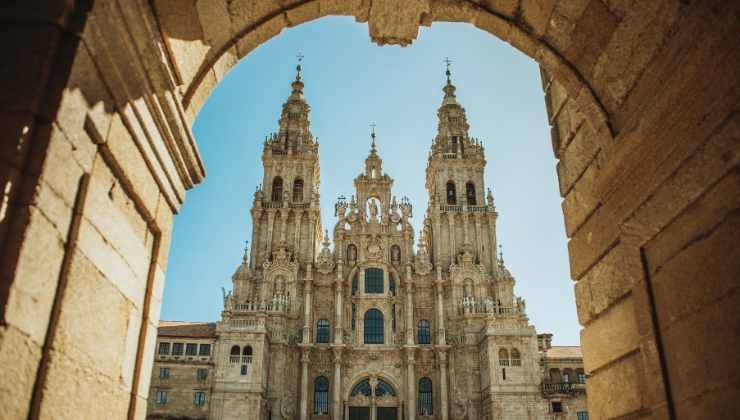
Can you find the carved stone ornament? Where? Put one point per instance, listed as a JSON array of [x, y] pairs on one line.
[[374, 249], [287, 406], [459, 406], [422, 264], [325, 262], [281, 257]]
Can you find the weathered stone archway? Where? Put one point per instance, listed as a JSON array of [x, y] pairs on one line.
[[99, 95]]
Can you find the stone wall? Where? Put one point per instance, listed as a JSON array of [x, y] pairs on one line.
[[97, 155]]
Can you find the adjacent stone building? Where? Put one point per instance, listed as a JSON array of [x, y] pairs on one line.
[[361, 323]]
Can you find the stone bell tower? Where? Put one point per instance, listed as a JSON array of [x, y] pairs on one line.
[[461, 216], [286, 211]]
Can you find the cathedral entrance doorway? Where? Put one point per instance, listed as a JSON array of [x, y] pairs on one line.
[[373, 399]]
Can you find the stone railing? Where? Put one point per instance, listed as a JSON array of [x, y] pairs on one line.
[[464, 208], [279, 304], [246, 324], [239, 359], [474, 306], [562, 387]]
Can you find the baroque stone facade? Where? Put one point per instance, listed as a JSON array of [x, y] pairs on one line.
[[362, 324]]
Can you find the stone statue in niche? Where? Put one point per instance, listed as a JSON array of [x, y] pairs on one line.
[[373, 208], [395, 254], [351, 253]]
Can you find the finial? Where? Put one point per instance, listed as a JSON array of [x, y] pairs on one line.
[[447, 62], [500, 254], [298, 67], [246, 251], [372, 135]]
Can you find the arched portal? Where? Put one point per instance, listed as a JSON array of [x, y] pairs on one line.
[[105, 98], [373, 398]]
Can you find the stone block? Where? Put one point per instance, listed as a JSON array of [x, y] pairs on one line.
[[685, 201], [31, 295], [682, 287], [19, 356], [507, 8], [341, 7], [536, 15], [617, 386], [494, 25], [31, 67], [590, 37], [581, 201], [453, 11], [130, 350], [703, 345], [93, 319], [133, 166], [608, 281], [70, 386], [610, 336], [576, 157], [303, 13]]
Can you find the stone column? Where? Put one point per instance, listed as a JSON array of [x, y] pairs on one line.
[[409, 313], [256, 215], [443, 384], [270, 227], [437, 238], [439, 288], [492, 238], [308, 302], [411, 384], [338, 306], [284, 224], [336, 406], [478, 241], [451, 223], [373, 403], [298, 221], [305, 359]]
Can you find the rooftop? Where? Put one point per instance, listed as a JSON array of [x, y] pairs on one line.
[[186, 329], [565, 352]]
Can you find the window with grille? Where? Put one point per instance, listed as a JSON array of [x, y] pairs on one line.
[[298, 191], [202, 374], [277, 189], [423, 333], [451, 193], [177, 349], [425, 402], [164, 348], [191, 349], [321, 396], [374, 280], [581, 377], [373, 327], [470, 193], [362, 388], [164, 373], [503, 357], [204, 350], [582, 415], [199, 399], [322, 331], [516, 358], [160, 397]]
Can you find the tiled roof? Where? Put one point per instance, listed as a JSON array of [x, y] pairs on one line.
[[564, 352], [187, 329]]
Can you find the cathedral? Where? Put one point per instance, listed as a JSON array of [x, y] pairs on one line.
[[368, 319]]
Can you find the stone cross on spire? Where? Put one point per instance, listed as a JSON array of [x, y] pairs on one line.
[[372, 136], [447, 62], [298, 67]]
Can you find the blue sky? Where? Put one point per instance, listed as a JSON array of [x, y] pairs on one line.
[[351, 83]]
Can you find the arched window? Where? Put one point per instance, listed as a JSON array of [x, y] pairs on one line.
[[580, 376], [277, 189], [374, 280], [384, 388], [470, 193], [391, 285], [235, 350], [363, 388], [425, 401], [503, 357], [423, 335], [374, 327], [451, 193], [298, 191], [322, 331], [247, 351], [321, 396], [516, 357]]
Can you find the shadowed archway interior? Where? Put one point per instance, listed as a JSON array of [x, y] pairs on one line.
[[97, 155]]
